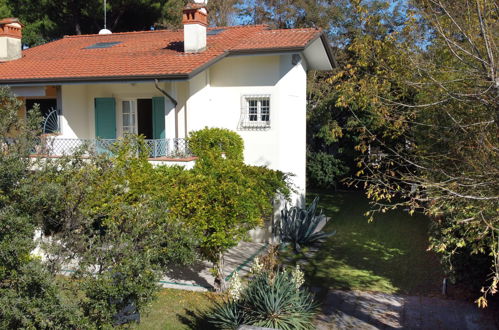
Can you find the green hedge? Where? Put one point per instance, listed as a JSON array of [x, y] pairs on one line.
[[214, 142]]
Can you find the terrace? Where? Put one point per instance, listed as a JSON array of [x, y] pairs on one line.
[[157, 149]]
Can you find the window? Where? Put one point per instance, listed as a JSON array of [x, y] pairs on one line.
[[129, 115], [255, 112]]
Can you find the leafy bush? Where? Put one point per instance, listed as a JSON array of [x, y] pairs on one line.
[[29, 295], [272, 300], [215, 142], [114, 228], [324, 169], [32, 299], [301, 226], [222, 198]]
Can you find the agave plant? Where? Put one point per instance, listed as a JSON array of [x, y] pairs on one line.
[[268, 301], [301, 226]]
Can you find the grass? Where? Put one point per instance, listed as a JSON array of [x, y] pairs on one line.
[[177, 309], [388, 255]]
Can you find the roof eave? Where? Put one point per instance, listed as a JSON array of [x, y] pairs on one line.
[[90, 79], [329, 50]]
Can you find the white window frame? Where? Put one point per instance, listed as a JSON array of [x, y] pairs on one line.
[[129, 129], [257, 116]]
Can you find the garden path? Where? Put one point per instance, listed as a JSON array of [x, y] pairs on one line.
[[198, 277], [370, 310]]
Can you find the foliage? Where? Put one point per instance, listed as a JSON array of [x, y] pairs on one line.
[[323, 169], [388, 255], [302, 226], [334, 129], [222, 198], [427, 82], [32, 300], [128, 239], [4, 9], [223, 12], [107, 222], [29, 297], [47, 20], [268, 301], [216, 142], [289, 14]]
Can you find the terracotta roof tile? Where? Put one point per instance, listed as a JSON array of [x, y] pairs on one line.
[[142, 54]]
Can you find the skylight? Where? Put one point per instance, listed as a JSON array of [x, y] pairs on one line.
[[103, 45], [214, 32]]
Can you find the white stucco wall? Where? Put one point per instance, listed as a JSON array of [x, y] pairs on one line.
[[75, 115], [78, 116], [216, 97], [10, 48], [292, 123], [194, 38]]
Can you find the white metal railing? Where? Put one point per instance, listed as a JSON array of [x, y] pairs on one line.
[[55, 146]]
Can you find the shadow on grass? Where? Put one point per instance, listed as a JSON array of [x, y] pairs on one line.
[[194, 320], [388, 255]]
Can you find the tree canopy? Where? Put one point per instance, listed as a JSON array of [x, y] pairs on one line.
[[419, 93]]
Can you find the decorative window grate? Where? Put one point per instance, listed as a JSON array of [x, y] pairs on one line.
[[255, 112]]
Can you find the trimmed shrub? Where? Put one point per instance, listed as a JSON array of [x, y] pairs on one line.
[[215, 142]]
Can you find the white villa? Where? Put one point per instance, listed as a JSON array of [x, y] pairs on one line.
[[165, 84]]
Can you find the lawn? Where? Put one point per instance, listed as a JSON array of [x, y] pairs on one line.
[[177, 309], [387, 255]]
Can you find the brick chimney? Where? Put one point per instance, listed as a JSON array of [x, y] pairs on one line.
[[10, 39], [195, 20]]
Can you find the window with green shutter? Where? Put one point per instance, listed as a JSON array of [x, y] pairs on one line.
[[158, 117]]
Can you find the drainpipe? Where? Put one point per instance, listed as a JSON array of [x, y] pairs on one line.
[[156, 83], [175, 103]]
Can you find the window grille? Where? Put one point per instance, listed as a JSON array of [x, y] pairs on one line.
[[255, 112]]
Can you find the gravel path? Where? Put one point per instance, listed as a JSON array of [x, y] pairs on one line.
[[365, 310]]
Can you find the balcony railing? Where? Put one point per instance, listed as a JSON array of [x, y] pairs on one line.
[[54, 146]]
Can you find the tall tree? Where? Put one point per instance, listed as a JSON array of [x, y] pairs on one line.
[[223, 12], [290, 14], [332, 129], [431, 90], [4, 9], [29, 294], [47, 20]]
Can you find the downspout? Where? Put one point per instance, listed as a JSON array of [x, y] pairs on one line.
[[156, 83], [175, 103]]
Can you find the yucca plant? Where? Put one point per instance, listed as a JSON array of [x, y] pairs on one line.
[[227, 315], [268, 301], [278, 303], [301, 226]]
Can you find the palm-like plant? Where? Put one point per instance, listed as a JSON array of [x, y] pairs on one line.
[[301, 226], [268, 301]]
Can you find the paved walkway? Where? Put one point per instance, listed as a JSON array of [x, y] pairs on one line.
[[362, 310], [198, 277]]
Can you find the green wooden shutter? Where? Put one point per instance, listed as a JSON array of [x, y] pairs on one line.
[[158, 117], [105, 118]]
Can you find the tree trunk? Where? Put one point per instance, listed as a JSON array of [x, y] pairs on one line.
[[220, 279]]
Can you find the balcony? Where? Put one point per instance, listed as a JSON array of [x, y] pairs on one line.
[[53, 146]]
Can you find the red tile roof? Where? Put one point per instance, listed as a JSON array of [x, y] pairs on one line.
[[143, 55]]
